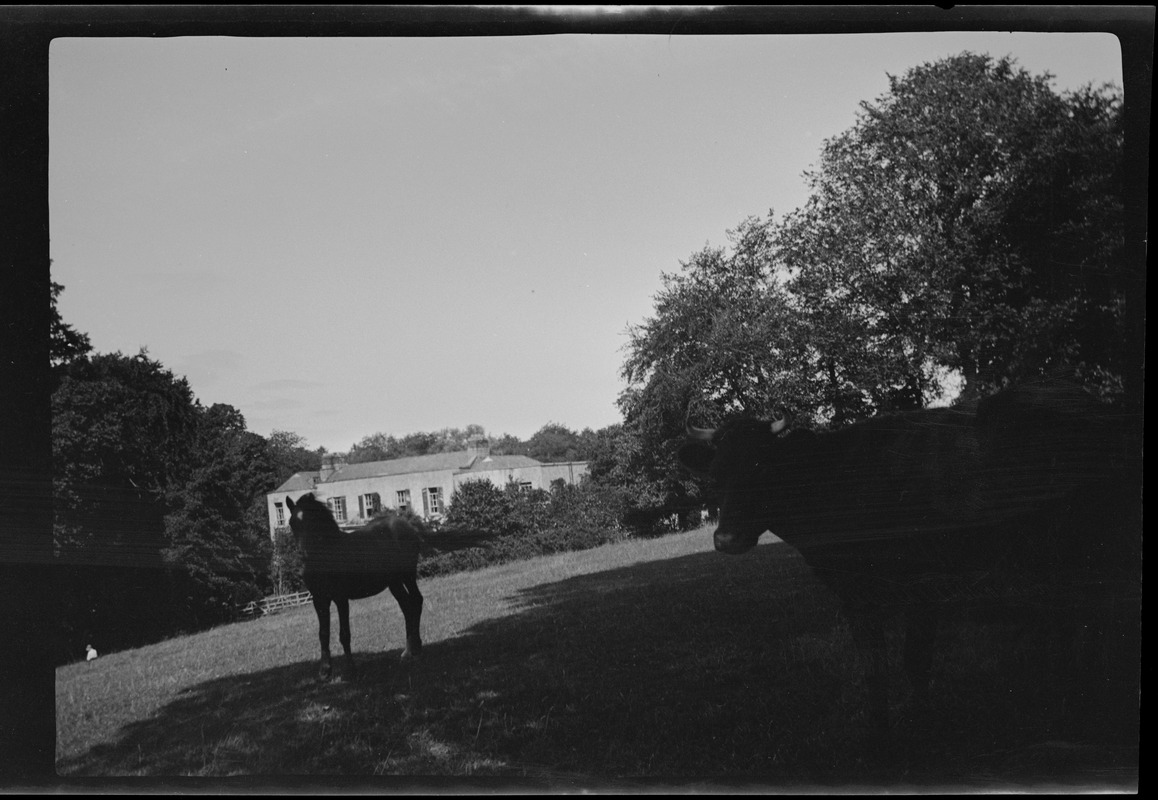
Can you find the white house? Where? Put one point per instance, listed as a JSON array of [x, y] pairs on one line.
[[424, 484]]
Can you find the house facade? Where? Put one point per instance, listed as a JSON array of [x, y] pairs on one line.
[[424, 484]]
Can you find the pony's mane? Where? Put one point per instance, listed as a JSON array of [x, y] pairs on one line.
[[310, 503], [311, 500]]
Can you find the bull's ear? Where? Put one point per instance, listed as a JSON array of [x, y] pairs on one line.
[[696, 457]]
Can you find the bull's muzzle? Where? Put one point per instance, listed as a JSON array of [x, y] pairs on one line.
[[733, 543]]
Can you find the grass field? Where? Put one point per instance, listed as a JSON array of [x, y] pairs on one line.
[[631, 664]]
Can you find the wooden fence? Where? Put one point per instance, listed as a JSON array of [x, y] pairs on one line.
[[270, 605]]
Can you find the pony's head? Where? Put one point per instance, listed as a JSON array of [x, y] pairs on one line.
[[310, 516]]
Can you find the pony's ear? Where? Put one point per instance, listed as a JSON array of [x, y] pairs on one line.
[[289, 501]]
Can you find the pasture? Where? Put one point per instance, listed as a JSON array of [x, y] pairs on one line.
[[630, 665]]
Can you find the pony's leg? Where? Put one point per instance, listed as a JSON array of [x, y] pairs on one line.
[[343, 605], [414, 620], [322, 607], [867, 628], [405, 591], [920, 633]]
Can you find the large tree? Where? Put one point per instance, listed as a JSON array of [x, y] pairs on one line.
[[288, 455], [122, 430], [965, 232], [65, 343], [967, 229], [159, 504], [120, 424], [725, 339], [555, 442], [215, 530], [970, 221]]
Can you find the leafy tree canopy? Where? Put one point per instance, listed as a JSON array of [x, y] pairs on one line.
[[966, 232], [383, 447], [159, 502], [971, 221], [967, 229], [65, 343], [289, 455], [554, 442]]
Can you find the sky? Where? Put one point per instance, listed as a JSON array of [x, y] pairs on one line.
[[342, 236]]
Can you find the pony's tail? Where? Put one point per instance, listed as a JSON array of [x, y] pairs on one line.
[[448, 540]]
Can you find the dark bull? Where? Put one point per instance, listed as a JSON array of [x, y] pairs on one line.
[[1033, 499]]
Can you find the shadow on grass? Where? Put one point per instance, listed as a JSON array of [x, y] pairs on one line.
[[697, 668]]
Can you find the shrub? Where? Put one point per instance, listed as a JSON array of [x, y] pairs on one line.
[[525, 524], [480, 505], [285, 567]]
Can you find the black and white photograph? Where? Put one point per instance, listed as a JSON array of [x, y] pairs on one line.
[[588, 398]]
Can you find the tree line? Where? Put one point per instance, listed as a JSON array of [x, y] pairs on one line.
[[965, 233], [550, 444]]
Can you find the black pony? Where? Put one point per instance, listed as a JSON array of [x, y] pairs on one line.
[[342, 566]]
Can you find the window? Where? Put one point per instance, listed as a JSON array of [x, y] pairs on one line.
[[404, 500], [369, 505], [279, 511], [338, 507], [432, 500], [525, 486]]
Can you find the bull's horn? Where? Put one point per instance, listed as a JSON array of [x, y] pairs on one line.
[[702, 434], [779, 425]]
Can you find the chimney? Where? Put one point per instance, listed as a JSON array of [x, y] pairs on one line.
[[331, 463]]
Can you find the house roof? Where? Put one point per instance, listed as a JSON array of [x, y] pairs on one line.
[[459, 462], [436, 462], [298, 481], [498, 462]]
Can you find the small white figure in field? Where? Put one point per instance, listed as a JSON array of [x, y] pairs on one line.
[[92, 653]]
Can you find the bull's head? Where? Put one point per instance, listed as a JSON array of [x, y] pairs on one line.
[[777, 426], [725, 456]]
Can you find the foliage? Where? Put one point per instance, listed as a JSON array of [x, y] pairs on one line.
[[481, 505], [121, 427], [553, 443], [644, 484], [65, 343], [590, 514], [725, 338], [159, 504], [286, 565], [508, 445], [965, 233], [288, 455], [215, 528], [524, 524], [970, 221], [384, 447], [121, 440]]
